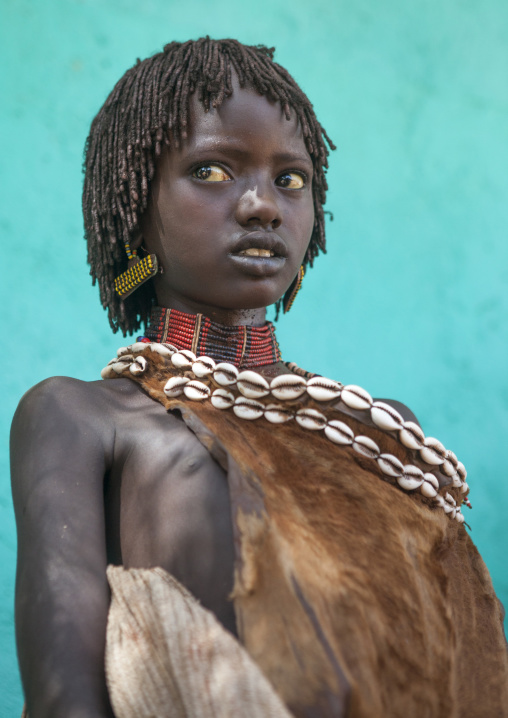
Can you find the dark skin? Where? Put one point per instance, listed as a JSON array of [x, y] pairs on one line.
[[103, 474]]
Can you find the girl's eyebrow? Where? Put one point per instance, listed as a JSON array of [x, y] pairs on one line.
[[239, 150]]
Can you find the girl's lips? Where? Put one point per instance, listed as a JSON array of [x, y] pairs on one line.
[[260, 243], [265, 265]]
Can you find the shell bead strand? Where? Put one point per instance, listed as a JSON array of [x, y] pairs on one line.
[[411, 479], [252, 385], [385, 416], [411, 435], [356, 398], [225, 374], [196, 390], [310, 419], [366, 446], [222, 399], [165, 350], [339, 433], [390, 465], [249, 409], [433, 451], [321, 389], [203, 366], [174, 386], [278, 414], [430, 486], [287, 388], [138, 366], [183, 359], [137, 347]]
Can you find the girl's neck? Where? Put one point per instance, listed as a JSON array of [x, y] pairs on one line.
[[243, 345]]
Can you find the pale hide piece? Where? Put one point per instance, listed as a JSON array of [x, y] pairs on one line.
[[168, 657]]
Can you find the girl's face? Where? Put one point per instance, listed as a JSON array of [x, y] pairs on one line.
[[231, 211]]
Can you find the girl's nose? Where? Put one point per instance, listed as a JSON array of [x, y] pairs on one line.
[[259, 206]]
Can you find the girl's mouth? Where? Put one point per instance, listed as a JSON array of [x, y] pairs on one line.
[[257, 252]]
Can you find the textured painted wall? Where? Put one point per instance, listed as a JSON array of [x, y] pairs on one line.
[[410, 301]]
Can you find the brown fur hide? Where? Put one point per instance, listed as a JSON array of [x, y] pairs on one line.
[[354, 597]]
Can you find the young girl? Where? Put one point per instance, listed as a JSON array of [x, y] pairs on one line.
[[317, 525]]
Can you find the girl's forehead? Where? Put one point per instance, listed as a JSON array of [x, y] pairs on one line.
[[245, 115]]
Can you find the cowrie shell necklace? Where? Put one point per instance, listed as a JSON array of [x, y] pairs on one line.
[[202, 379]]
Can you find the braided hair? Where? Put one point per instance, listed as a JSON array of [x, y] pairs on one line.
[[150, 106]]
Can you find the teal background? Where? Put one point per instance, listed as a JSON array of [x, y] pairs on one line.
[[410, 301]]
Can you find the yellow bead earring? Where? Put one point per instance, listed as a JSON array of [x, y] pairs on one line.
[[137, 273], [290, 295]]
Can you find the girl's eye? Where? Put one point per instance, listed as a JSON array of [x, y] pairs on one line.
[[291, 180], [211, 173]]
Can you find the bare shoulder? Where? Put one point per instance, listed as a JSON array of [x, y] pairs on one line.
[[86, 402], [64, 415]]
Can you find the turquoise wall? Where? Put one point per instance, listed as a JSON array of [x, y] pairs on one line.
[[410, 301]]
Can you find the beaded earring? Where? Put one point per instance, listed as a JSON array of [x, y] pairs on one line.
[[290, 295], [137, 273]]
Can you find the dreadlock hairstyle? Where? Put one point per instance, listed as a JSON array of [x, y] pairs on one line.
[[150, 106]]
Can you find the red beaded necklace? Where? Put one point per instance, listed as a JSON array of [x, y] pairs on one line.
[[244, 346]]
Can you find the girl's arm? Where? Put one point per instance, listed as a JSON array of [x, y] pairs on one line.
[[61, 444]]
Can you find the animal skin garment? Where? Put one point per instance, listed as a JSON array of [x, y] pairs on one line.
[[354, 597]]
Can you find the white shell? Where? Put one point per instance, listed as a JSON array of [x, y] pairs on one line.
[[464, 488], [165, 350], [196, 390], [390, 465], [448, 469], [456, 481], [429, 486], [138, 366], [365, 446], [450, 505], [107, 372], [411, 435], [203, 366], [355, 397], [288, 386], [174, 386], [225, 374], [248, 408], [278, 414], [321, 389], [183, 359], [310, 419], [118, 367], [450, 456], [222, 399], [433, 451], [123, 350], [138, 347], [385, 416], [461, 470], [252, 385], [412, 478], [459, 516], [339, 433]]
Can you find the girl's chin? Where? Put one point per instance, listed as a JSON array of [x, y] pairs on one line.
[[257, 295]]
